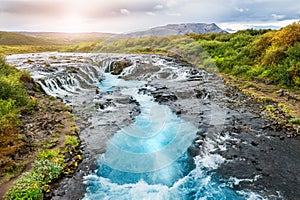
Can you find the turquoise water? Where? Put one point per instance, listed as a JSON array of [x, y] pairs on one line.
[[149, 158]]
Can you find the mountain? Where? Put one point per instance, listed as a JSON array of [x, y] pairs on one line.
[[9, 38], [178, 29], [58, 38]]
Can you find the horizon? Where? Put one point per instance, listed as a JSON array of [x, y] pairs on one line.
[[229, 30], [120, 16]]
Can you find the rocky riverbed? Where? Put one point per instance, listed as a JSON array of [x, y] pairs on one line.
[[253, 154]]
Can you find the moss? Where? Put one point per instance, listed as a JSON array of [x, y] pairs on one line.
[[295, 121], [270, 108], [266, 100], [71, 141], [284, 108]]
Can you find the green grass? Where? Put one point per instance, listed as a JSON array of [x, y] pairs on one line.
[[48, 167], [32, 185], [9, 38], [295, 121], [71, 141], [18, 49]]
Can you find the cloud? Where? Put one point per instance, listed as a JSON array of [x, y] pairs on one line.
[[124, 11], [125, 15], [278, 17], [150, 13], [241, 10], [158, 7], [28, 8], [171, 3]]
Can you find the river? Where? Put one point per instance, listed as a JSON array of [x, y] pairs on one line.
[[159, 130]]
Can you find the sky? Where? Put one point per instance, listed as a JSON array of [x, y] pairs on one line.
[[119, 16]]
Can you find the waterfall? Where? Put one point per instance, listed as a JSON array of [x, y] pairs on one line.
[[149, 157]]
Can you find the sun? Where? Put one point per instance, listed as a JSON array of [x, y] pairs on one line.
[[72, 24]]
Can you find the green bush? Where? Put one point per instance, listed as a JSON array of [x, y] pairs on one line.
[[71, 141], [6, 106], [28, 186], [240, 70], [31, 185], [295, 121], [47, 171], [10, 85], [53, 155], [294, 52]]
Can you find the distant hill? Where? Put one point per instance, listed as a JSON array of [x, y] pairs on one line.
[[9, 38], [178, 29], [69, 38], [59, 38]]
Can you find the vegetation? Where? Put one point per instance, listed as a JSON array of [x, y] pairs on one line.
[[7, 50], [48, 167], [69, 38], [261, 55], [13, 100], [9, 38], [31, 185], [60, 156]]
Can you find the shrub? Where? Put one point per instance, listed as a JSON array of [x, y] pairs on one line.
[[52, 155], [27, 186], [295, 121], [47, 170], [6, 107], [71, 141], [30, 185], [241, 70]]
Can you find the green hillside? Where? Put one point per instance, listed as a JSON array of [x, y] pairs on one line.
[[68, 38], [9, 38], [268, 56]]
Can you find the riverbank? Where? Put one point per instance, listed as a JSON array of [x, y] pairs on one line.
[[46, 130], [280, 104]]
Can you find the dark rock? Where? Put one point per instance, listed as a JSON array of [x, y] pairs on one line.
[[117, 67], [193, 151], [162, 97], [254, 143]]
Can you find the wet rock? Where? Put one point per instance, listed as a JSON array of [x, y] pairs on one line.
[[194, 71], [199, 142], [124, 100], [117, 67], [193, 151], [163, 97], [254, 143], [195, 78]]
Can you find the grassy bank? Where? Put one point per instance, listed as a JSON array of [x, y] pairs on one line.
[[38, 136], [18, 49]]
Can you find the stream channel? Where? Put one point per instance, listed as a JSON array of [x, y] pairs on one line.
[[162, 129]]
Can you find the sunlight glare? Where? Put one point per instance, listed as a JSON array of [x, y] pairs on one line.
[[72, 24]]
